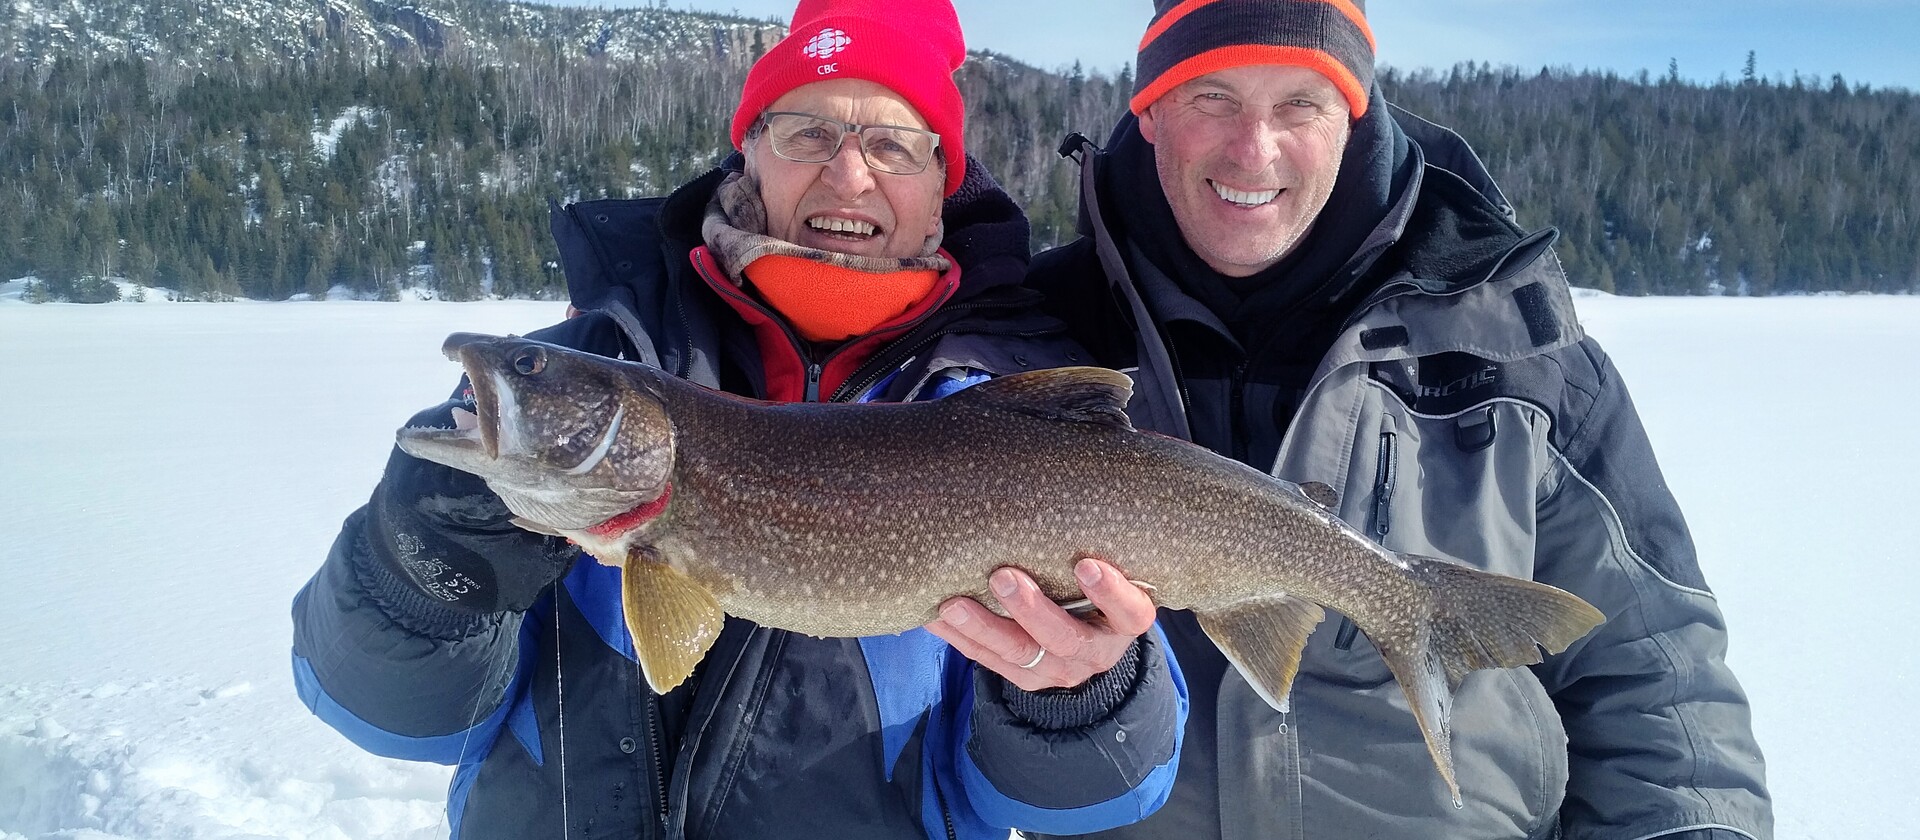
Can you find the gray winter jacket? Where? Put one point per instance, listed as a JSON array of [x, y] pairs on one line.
[[1461, 413]]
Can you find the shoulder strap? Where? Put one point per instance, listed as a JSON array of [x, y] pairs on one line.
[[1164, 411]]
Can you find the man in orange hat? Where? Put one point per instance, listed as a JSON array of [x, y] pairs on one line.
[[1301, 277], [850, 252]]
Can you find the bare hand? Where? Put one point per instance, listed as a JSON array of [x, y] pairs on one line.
[[1069, 650]]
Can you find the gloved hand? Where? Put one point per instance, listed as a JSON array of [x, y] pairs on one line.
[[448, 534]]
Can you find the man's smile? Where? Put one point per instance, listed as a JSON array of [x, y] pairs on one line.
[[1243, 198]]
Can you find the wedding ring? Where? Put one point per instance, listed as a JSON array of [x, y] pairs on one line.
[[1042, 654]]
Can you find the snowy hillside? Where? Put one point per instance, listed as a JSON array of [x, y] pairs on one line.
[[195, 33]]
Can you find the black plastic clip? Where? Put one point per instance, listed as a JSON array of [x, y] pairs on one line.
[[1074, 147]]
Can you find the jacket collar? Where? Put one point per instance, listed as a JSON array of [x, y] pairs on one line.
[[1464, 278]]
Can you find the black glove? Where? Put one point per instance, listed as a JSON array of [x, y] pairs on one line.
[[449, 535]]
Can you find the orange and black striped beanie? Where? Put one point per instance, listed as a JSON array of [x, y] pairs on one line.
[[1191, 38]]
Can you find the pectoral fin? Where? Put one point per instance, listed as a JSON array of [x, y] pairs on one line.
[[672, 618], [1263, 639]]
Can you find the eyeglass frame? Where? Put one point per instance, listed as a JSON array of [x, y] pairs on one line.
[[760, 128]]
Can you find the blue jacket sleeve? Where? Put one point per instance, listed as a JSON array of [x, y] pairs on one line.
[[1013, 772], [394, 672]]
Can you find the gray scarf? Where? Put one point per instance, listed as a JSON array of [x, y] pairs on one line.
[[735, 232]]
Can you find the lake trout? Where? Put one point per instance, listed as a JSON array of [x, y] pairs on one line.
[[860, 520]]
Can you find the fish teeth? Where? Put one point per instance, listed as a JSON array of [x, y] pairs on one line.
[[1242, 197], [839, 225]]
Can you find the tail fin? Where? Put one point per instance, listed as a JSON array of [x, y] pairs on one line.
[[1478, 620]]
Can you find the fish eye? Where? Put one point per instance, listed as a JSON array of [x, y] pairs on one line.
[[529, 361]]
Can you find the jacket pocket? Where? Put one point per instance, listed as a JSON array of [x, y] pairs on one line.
[[1508, 737], [1370, 774]]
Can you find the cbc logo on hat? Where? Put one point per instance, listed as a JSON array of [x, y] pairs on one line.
[[827, 44]]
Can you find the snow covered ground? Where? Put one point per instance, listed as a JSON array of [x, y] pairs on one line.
[[170, 475]]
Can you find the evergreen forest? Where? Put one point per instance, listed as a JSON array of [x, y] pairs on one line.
[[267, 177]]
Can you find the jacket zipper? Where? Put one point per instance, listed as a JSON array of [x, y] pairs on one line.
[[1237, 411], [1385, 476], [812, 392], [659, 764], [945, 815], [686, 330]]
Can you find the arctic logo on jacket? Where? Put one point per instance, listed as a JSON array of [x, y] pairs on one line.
[[1445, 383], [1487, 375]]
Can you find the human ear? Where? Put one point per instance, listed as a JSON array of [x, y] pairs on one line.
[[940, 199], [748, 163], [933, 220]]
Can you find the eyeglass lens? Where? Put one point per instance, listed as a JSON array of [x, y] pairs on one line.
[[806, 138]]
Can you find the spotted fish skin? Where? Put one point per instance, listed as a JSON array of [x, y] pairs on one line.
[[859, 520]]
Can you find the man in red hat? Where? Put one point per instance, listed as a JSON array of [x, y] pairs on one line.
[[1301, 277], [850, 252]]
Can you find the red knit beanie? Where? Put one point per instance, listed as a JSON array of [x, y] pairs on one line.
[[1191, 38], [912, 47]]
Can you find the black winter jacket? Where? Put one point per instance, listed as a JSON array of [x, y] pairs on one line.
[[777, 734]]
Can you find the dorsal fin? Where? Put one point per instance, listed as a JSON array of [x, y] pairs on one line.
[[1078, 394]]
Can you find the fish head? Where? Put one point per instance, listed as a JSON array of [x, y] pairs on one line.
[[569, 440]]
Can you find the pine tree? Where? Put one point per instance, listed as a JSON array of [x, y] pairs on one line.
[[143, 265]]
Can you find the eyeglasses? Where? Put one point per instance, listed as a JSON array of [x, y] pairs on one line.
[[810, 138]]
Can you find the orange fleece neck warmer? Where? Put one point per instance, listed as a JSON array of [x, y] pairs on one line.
[[828, 302]]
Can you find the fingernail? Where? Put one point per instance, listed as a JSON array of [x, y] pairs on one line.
[[1088, 572], [1004, 584], [954, 614]]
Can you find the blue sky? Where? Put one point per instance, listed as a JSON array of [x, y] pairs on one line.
[[1873, 41]]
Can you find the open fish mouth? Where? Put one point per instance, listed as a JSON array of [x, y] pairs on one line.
[[485, 390], [475, 436]]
